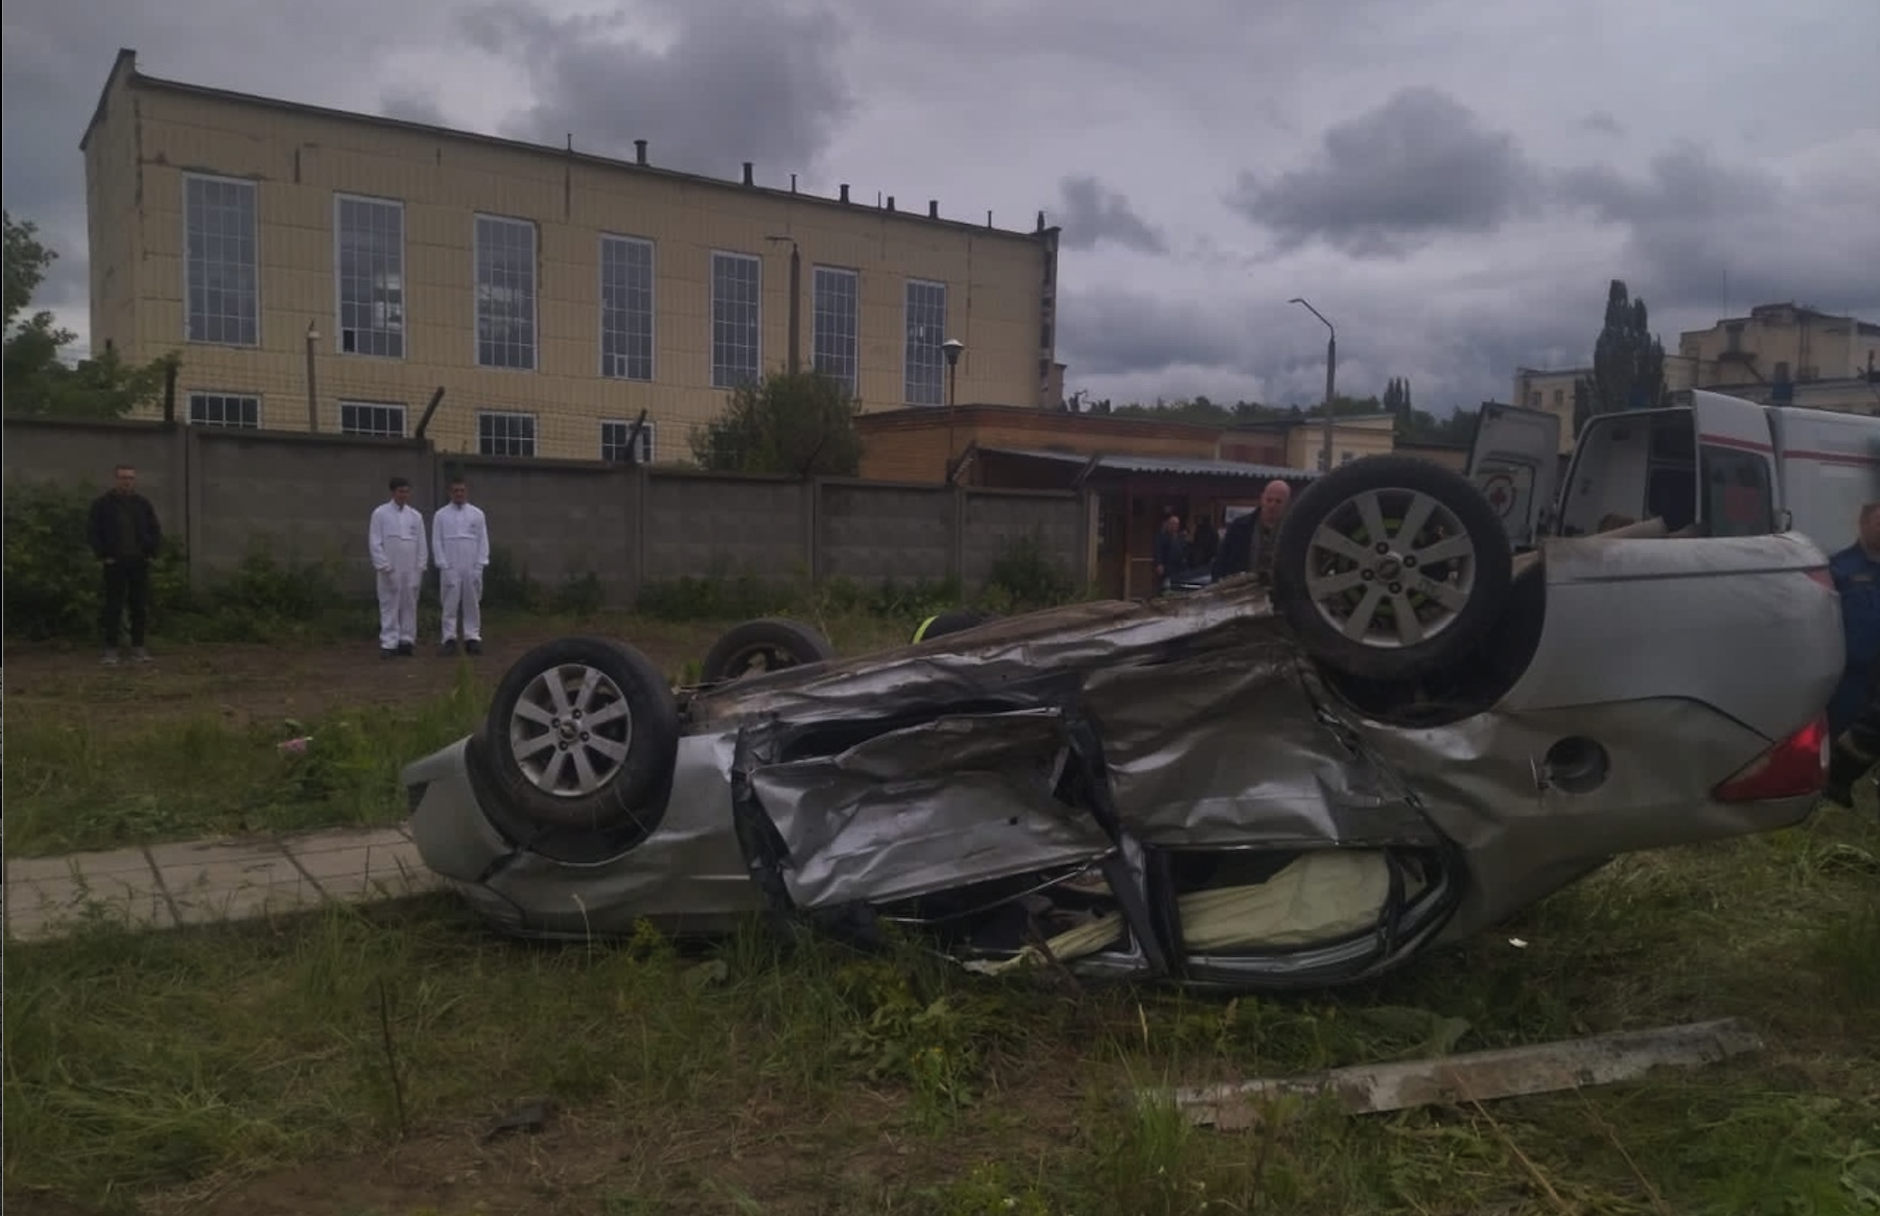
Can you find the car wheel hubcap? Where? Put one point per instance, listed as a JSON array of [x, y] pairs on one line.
[[1390, 568], [571, 730]]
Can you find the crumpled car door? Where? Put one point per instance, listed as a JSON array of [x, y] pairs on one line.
[[958, 818]]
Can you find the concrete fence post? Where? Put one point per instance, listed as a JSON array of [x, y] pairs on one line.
[[956, 542], [814, 548], [194, 475], [638, 488]]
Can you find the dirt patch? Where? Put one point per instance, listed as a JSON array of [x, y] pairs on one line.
[[270, 683], [789, 1162]]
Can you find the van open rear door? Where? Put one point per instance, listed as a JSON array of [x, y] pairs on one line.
[[1515, 463], [1737, 491]]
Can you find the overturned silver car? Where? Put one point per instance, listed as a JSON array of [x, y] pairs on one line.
[[1413, 735]]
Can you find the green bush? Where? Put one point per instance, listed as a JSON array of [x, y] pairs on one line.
[[1027, 575], [53, 585], [508, 586]]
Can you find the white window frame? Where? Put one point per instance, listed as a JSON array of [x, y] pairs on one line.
[[404, 417], [478, 287], [403, 332], [853, 380], [649, 443], [908, 345], [203, 394], [728, 381], [253, 189], [652, 309], [534, 438]]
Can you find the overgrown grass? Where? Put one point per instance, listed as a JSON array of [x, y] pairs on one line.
[[75, 785], [746, 1077]]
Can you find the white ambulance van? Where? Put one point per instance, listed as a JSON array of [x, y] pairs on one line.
[[1707, 465]]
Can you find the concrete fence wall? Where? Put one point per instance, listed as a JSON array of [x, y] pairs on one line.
[[308, 497]]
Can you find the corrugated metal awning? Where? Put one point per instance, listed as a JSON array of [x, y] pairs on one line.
[[1179, 465]]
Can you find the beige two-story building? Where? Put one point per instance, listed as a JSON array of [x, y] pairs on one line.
[[326, 270], [1784, 354], [1551, 390]]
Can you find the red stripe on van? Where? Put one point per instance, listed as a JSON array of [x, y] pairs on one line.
[[1750, 445], [1834, 457], [1741, 445]]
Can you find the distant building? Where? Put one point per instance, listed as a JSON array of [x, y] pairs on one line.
[[1551, 390], [553, 294], [1784, 354], [1300, 442]]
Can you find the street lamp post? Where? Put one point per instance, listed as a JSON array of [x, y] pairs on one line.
[[952, 347], [796, 303], [1331, 373], [313, 394]]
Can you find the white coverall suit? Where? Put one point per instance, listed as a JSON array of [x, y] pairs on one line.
[[396, 539], [460, 544]]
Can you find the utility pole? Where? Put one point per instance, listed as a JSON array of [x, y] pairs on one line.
[[794, 363], [1331, 373]]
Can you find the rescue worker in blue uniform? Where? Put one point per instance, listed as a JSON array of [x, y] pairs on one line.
[[1854, 711]]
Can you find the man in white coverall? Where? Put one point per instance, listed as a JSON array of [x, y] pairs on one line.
[[396, 540], [460, 545]]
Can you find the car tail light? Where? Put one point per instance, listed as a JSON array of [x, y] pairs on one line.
[[1793, 768]]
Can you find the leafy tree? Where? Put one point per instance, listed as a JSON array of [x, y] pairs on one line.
[[802, 425], [1628, 362], [38, 380]]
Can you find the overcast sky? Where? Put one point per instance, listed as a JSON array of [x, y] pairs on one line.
[[1452, 182]]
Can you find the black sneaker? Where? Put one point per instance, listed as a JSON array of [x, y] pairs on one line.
[[448, 648], [406, 650], [473, 646], [387, 654]]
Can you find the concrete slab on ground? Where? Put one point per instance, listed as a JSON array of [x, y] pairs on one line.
[[204, 881]]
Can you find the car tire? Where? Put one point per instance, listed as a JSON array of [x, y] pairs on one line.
[[582, 734], [1347, 593], [952, 621], [778, 641]]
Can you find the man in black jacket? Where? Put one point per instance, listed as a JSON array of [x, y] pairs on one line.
[[1248, 542], [124, 536]]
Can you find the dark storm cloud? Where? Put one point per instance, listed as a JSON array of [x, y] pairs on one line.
[[1091, 214], [1387, 182], [1703, 233], [409, 105], [764, 84], [1603, 123], [1107, 332]]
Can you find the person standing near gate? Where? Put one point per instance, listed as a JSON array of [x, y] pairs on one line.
[[395, 539], [124, 536], [460, 545]]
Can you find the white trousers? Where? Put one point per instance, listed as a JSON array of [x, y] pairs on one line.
[[462, 588], [398, 597]]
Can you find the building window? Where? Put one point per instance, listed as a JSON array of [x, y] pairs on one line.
[[505, 434], [1534, 399], [926, 330], [369, 267], [836, 325], [626, 308], [614, 443], [225, 409], [376, 419], [221, 263], [736, 282], [505, 268], [1560, 397]]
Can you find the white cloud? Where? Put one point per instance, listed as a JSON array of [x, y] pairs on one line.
[[1552, 148]]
